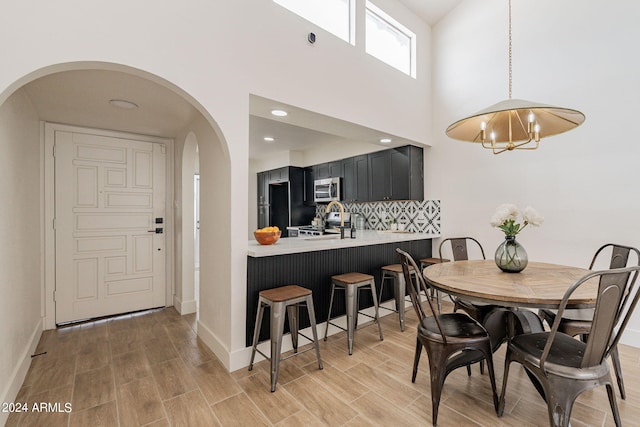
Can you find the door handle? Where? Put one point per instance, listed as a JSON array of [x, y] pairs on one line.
[[157, 231]]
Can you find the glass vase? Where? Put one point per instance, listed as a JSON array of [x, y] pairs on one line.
[[511, 256]]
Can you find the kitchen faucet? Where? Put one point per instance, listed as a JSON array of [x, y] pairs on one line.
[[335, 202]]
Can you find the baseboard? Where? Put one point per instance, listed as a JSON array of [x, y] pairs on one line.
[[20, 372], [211, 340], [184, 307]]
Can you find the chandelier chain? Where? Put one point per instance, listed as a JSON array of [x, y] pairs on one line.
[[510, 54]]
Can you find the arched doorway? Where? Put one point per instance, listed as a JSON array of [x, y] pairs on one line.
[[71, 103]]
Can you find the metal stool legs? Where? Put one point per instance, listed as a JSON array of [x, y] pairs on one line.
[[351, 306], [280, 308]]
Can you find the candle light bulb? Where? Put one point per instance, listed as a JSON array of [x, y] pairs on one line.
[[531, 117], [483, 126], [493, 136]]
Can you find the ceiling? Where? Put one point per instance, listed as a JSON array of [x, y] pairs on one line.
[[82, 98]]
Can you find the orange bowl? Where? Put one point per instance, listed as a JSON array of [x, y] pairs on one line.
[[268, 238]]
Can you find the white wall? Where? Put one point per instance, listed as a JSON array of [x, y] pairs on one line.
[[218, 53], [20, 259], [573, 53]]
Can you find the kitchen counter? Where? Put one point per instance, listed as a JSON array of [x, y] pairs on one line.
[[292, 245], [310, 262]]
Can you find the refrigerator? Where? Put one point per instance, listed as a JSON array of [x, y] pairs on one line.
[[281, 203]]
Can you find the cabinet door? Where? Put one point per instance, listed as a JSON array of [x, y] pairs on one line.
[[355, 180], [279, 175], [379, 170], [308, 186], [349, 180], [399, 174], [335, 169], [321, 171], [361, 164]]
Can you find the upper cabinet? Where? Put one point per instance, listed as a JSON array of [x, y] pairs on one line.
[[355, 182], [394, 174]]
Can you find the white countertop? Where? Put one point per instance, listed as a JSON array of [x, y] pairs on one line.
[[292, 245]]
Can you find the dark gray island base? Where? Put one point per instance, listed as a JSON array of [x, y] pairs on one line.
[[314, 269]]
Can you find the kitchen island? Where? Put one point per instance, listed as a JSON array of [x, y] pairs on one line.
[[311, 261]]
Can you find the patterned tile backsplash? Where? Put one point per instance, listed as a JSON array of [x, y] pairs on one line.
[[421, 216]]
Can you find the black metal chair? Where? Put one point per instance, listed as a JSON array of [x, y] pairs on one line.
[[562, 367], [452, 340], [578, 321], [477, 310]]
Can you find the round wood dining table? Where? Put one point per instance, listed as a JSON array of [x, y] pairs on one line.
[[540, 285]]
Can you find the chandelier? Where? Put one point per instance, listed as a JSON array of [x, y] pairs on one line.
[[514, 124]]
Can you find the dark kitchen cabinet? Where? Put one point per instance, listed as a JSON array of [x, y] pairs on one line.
[[279, 175], [396, 174], [308, 186], [281, 194], [335, 169], [327, 170], [355, 183]]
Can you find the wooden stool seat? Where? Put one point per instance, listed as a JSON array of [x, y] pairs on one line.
[[285, 293], [351, 278], [283, 301], [351, 284]]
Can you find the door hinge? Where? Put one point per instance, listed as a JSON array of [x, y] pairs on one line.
[[55, 295], [54, 150], [54, 223]]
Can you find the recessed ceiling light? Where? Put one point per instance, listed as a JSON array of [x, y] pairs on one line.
[[279, 113], [385, 140], [121, 103], [269, 138]]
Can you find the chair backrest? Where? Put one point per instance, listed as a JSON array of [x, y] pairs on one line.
[[617, 298], [459, 247], [417, 286], [619, 255]]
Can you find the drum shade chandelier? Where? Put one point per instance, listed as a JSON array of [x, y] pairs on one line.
[[514, 124]]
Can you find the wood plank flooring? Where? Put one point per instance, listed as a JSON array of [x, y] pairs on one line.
[[150, 369]]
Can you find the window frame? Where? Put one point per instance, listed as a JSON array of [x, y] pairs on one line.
[[397, 26]]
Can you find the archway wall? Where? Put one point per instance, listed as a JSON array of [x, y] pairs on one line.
[[218, 53]]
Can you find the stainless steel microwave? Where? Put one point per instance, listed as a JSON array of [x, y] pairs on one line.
[[326, 190]]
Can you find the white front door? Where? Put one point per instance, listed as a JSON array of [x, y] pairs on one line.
[[109, 224]]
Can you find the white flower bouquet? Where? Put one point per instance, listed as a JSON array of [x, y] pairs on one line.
[[506, 216]]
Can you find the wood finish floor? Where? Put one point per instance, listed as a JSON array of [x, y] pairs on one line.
[[151, 369]]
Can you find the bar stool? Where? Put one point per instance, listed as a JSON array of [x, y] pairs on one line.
[[290, 297], [394, 272], [425, 262], [352, 283]]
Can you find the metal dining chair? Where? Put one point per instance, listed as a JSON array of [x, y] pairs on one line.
[[452, 340], [578, 321], [460, 252], [563, 367]]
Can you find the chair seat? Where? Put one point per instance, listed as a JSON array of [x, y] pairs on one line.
[[583, 314], [564, 357], [454, 325]]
